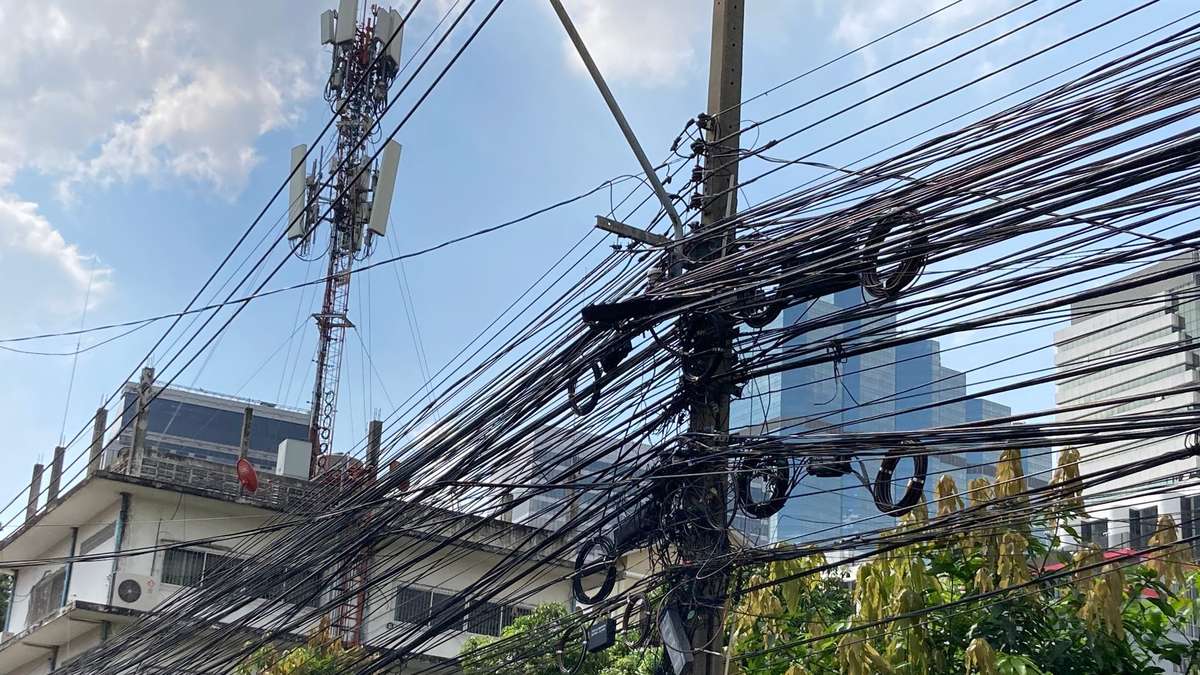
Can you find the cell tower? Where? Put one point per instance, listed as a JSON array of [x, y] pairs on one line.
[[356, 201]]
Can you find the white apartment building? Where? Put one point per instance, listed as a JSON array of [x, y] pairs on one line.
[[1160, 314], [61, 609]]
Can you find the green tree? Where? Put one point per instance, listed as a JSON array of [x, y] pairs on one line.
[[320, 655], [1115, 618], [527, 647], [6, 582]]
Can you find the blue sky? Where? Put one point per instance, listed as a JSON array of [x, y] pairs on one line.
[[138, 139]]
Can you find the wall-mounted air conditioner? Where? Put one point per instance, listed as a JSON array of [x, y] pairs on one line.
[[136, 591]]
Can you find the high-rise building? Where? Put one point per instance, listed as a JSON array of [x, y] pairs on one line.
[[203, 425], [555, 458], [1156, 315], [903, 388]]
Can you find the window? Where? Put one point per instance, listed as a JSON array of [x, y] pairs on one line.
[[513, 612], [447, 607], [485, 618], [186, 567], [1095, 532], [217, 566], [412, 605], [295, 586], [1142, 523], [46, 595], [421, 607], [1189, 520], [182, 567]]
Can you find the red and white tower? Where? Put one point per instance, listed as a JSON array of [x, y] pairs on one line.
[[356, 201]]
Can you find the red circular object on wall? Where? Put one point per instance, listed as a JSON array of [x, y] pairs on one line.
[[247, 475]]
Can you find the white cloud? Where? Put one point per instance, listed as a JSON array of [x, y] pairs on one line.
[[46, 276], [645, 43], [171, 92], [115, 91], [861, 21], [864, 20], [201, 127]]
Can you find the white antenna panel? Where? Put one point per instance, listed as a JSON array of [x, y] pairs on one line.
[[394, 48], [347, 21], [382, 204], [328, 20], [296, 194], [383, 26]]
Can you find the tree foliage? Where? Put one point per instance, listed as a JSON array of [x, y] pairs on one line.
[[320, 655], [971, 603], [527, 647], [6, 584]]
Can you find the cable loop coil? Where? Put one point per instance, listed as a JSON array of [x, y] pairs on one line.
[[583, 568], [777, 472], [915, 487], [889, 287], [584, 404], [561, 658]]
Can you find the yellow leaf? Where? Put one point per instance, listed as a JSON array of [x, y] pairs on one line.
[[979, 658]]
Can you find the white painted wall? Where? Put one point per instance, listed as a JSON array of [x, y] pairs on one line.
[[89, 580], [36, 667], [170, 517]]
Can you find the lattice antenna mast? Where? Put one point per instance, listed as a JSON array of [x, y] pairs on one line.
[[355, 202]]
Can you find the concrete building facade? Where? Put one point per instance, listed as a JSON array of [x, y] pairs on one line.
[[1161, 315], [180, 509]]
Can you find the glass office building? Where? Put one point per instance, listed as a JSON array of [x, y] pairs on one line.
[[578, 458], [902, 388], [204, 425]]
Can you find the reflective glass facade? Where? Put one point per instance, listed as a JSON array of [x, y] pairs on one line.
[[210, 427], [904, 388]]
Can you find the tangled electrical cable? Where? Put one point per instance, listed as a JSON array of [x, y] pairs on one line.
[[584, 423]]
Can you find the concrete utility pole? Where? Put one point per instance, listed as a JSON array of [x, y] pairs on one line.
[[247, 425], [96, 449], [711, 336], [142, 422]]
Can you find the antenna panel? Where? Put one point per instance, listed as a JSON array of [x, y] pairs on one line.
[[383, 26], [382, 205], [347, 22], [395, 48], [297, 200], [328, 20]]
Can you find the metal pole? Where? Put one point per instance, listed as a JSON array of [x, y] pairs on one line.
[[647, 167], [118, 543], [66, 593]]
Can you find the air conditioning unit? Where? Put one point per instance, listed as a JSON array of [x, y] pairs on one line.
[[136, 591]]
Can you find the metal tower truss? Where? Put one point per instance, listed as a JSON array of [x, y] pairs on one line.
[[355, 201]]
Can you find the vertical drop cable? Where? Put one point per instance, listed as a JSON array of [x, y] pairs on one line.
[[87, 298]]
